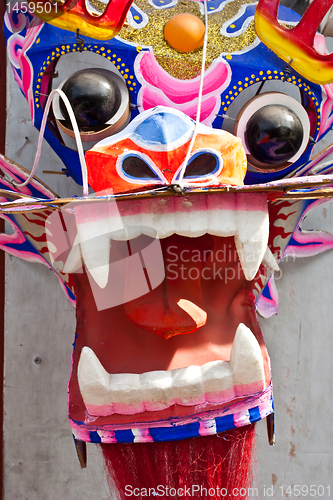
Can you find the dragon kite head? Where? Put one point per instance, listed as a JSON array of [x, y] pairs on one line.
[[172, 255]]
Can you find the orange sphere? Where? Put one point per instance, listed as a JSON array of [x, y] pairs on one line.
[[185, 32]]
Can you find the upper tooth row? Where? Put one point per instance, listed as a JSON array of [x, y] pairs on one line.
[[242, 215], [214, 382]]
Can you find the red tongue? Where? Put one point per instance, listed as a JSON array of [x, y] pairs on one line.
[[176, 305]]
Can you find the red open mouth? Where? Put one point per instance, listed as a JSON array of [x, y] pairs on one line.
[[191, 343]]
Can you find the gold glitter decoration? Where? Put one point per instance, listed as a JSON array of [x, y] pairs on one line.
[[187, 65]]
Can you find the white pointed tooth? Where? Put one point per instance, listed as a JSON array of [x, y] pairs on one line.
[[130, 231], [199, 204], [188, 386], [126, 393], [182, 217], [95, 223], [157, 214], [246, 362], [165, 224], [142, 221], [156, 390], [97, 219], [96, 257], [147, 217], [190, 216], [269, 261], [196, 225], [217, 377], [221, 214], [74, 259], [94, 380], [134, 230], [252, 231], [134, 224]]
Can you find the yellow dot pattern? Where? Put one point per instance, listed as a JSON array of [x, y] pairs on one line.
[[227, 98], [260, 76], [115, 58]]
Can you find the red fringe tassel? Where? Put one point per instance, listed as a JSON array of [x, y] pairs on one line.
[[210, 467]]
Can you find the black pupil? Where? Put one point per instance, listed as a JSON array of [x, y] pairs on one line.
[[203, 164], [137, 167], [273, 135], [94, 96]]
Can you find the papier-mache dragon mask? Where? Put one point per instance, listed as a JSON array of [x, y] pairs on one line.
[[170, 258]]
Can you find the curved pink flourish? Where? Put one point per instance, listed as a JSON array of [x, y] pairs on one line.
[[309, 243], [149, 98], [17, 50], [11, 24], [17, 238], [217, 78], [327, 104], [268, 306], [17, 175], [158, 87], [14, 49]]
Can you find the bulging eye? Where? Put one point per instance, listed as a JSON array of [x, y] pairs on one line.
[[275, 130], [100, 101], [201, 164], [273, 135], [135, 167], [94, 97]]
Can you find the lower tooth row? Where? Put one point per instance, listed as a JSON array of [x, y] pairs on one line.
[[214, 382]]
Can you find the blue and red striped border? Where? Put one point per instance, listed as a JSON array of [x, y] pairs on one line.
[[248, 411]]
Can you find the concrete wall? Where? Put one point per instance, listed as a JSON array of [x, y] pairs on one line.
[[40, 459]]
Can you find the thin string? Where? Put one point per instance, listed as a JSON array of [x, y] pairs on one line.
[[197, 120], [77, 133], [77, 138]]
